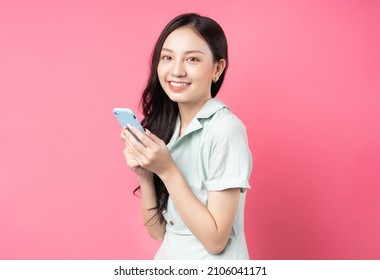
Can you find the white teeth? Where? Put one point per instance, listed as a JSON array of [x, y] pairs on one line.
[[174, 84]]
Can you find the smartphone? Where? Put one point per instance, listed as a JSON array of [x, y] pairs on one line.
[[125, 116]]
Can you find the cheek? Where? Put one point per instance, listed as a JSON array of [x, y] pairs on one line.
[[203, 75], [159, 69], [160, 73]]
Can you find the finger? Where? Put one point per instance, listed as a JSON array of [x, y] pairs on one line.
[[122, 136], [146, 141], [154, 138], [135, 147], [133, 159], [149, 140], [133, 155], [130, 138]]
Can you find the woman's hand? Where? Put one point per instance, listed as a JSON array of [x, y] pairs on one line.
[[133, 153], [131, 159], [149, 153]]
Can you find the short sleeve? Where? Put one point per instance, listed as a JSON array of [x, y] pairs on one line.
[[230, 160]]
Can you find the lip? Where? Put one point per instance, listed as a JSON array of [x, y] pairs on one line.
[[178, 85]]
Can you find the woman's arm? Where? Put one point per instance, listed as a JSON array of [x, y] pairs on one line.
[[148, 196], [211, 224], [150, 216]]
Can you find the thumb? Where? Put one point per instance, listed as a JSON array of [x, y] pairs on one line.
[[154, 138]]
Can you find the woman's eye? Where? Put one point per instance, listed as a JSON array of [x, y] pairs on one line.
[[193, 59], [165, 57]]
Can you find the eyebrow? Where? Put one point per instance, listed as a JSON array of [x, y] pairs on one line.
[[186, 52]]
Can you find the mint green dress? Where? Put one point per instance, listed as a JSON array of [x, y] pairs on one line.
[[212, 154]]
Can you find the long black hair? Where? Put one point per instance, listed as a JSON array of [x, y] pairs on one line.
[[160, 113]]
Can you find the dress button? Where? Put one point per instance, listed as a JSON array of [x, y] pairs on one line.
[[172, 223]]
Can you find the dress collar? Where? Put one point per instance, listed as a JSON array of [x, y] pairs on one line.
[[211, 106]]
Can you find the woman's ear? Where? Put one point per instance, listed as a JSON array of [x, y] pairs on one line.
[[219, 68]]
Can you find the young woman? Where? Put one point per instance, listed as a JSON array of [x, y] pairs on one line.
[[193, 163]]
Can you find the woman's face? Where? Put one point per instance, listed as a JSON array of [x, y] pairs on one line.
[[187, 68]]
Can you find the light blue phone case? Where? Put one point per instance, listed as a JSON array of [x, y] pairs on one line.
[[125, 116]]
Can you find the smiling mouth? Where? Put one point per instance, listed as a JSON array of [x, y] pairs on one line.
[[178, 85]]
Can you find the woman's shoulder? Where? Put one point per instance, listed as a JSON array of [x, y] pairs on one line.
[[225, 121]]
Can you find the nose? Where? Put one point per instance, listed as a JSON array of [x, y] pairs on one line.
[[178, 69]]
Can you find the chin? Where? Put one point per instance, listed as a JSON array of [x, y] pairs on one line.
[[177, 97]]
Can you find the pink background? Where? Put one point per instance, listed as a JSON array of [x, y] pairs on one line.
[[304, 77]]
